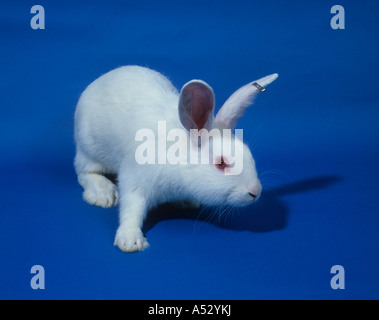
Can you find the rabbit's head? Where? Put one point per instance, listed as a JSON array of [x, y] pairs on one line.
[[222, 167]]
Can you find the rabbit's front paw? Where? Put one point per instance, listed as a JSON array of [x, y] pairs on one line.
[[130, 240], [101, 192]]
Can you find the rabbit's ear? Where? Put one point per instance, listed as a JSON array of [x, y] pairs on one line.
[[196, 105], [238, 102]]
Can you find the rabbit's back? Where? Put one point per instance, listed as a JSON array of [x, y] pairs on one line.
[[118, 104]]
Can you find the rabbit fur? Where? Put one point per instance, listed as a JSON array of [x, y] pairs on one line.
[[110, 112]]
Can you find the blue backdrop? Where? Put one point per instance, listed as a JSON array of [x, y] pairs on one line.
[[314, 134]]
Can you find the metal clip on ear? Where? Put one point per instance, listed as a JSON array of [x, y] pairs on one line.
[[258, 86]]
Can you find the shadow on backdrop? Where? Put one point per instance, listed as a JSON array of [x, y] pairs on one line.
[[269, 214]]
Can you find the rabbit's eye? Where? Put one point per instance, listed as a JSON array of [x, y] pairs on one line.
[[221, 165]]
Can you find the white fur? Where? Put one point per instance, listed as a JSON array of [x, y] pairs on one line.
[[109, 113], [236, 105]]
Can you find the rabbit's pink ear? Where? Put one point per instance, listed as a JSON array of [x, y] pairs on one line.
[[196, 105], [238, 102]]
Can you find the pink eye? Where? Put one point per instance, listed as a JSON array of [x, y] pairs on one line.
[[221, 165]]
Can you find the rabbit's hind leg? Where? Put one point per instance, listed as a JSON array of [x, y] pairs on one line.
[[98, 189]]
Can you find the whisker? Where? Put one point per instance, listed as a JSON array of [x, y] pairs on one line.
[[273, 178]]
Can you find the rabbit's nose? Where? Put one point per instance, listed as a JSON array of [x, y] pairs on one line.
[[255, 191], [253, 195]]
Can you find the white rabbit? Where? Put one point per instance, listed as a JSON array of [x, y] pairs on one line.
[[110, 112]]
